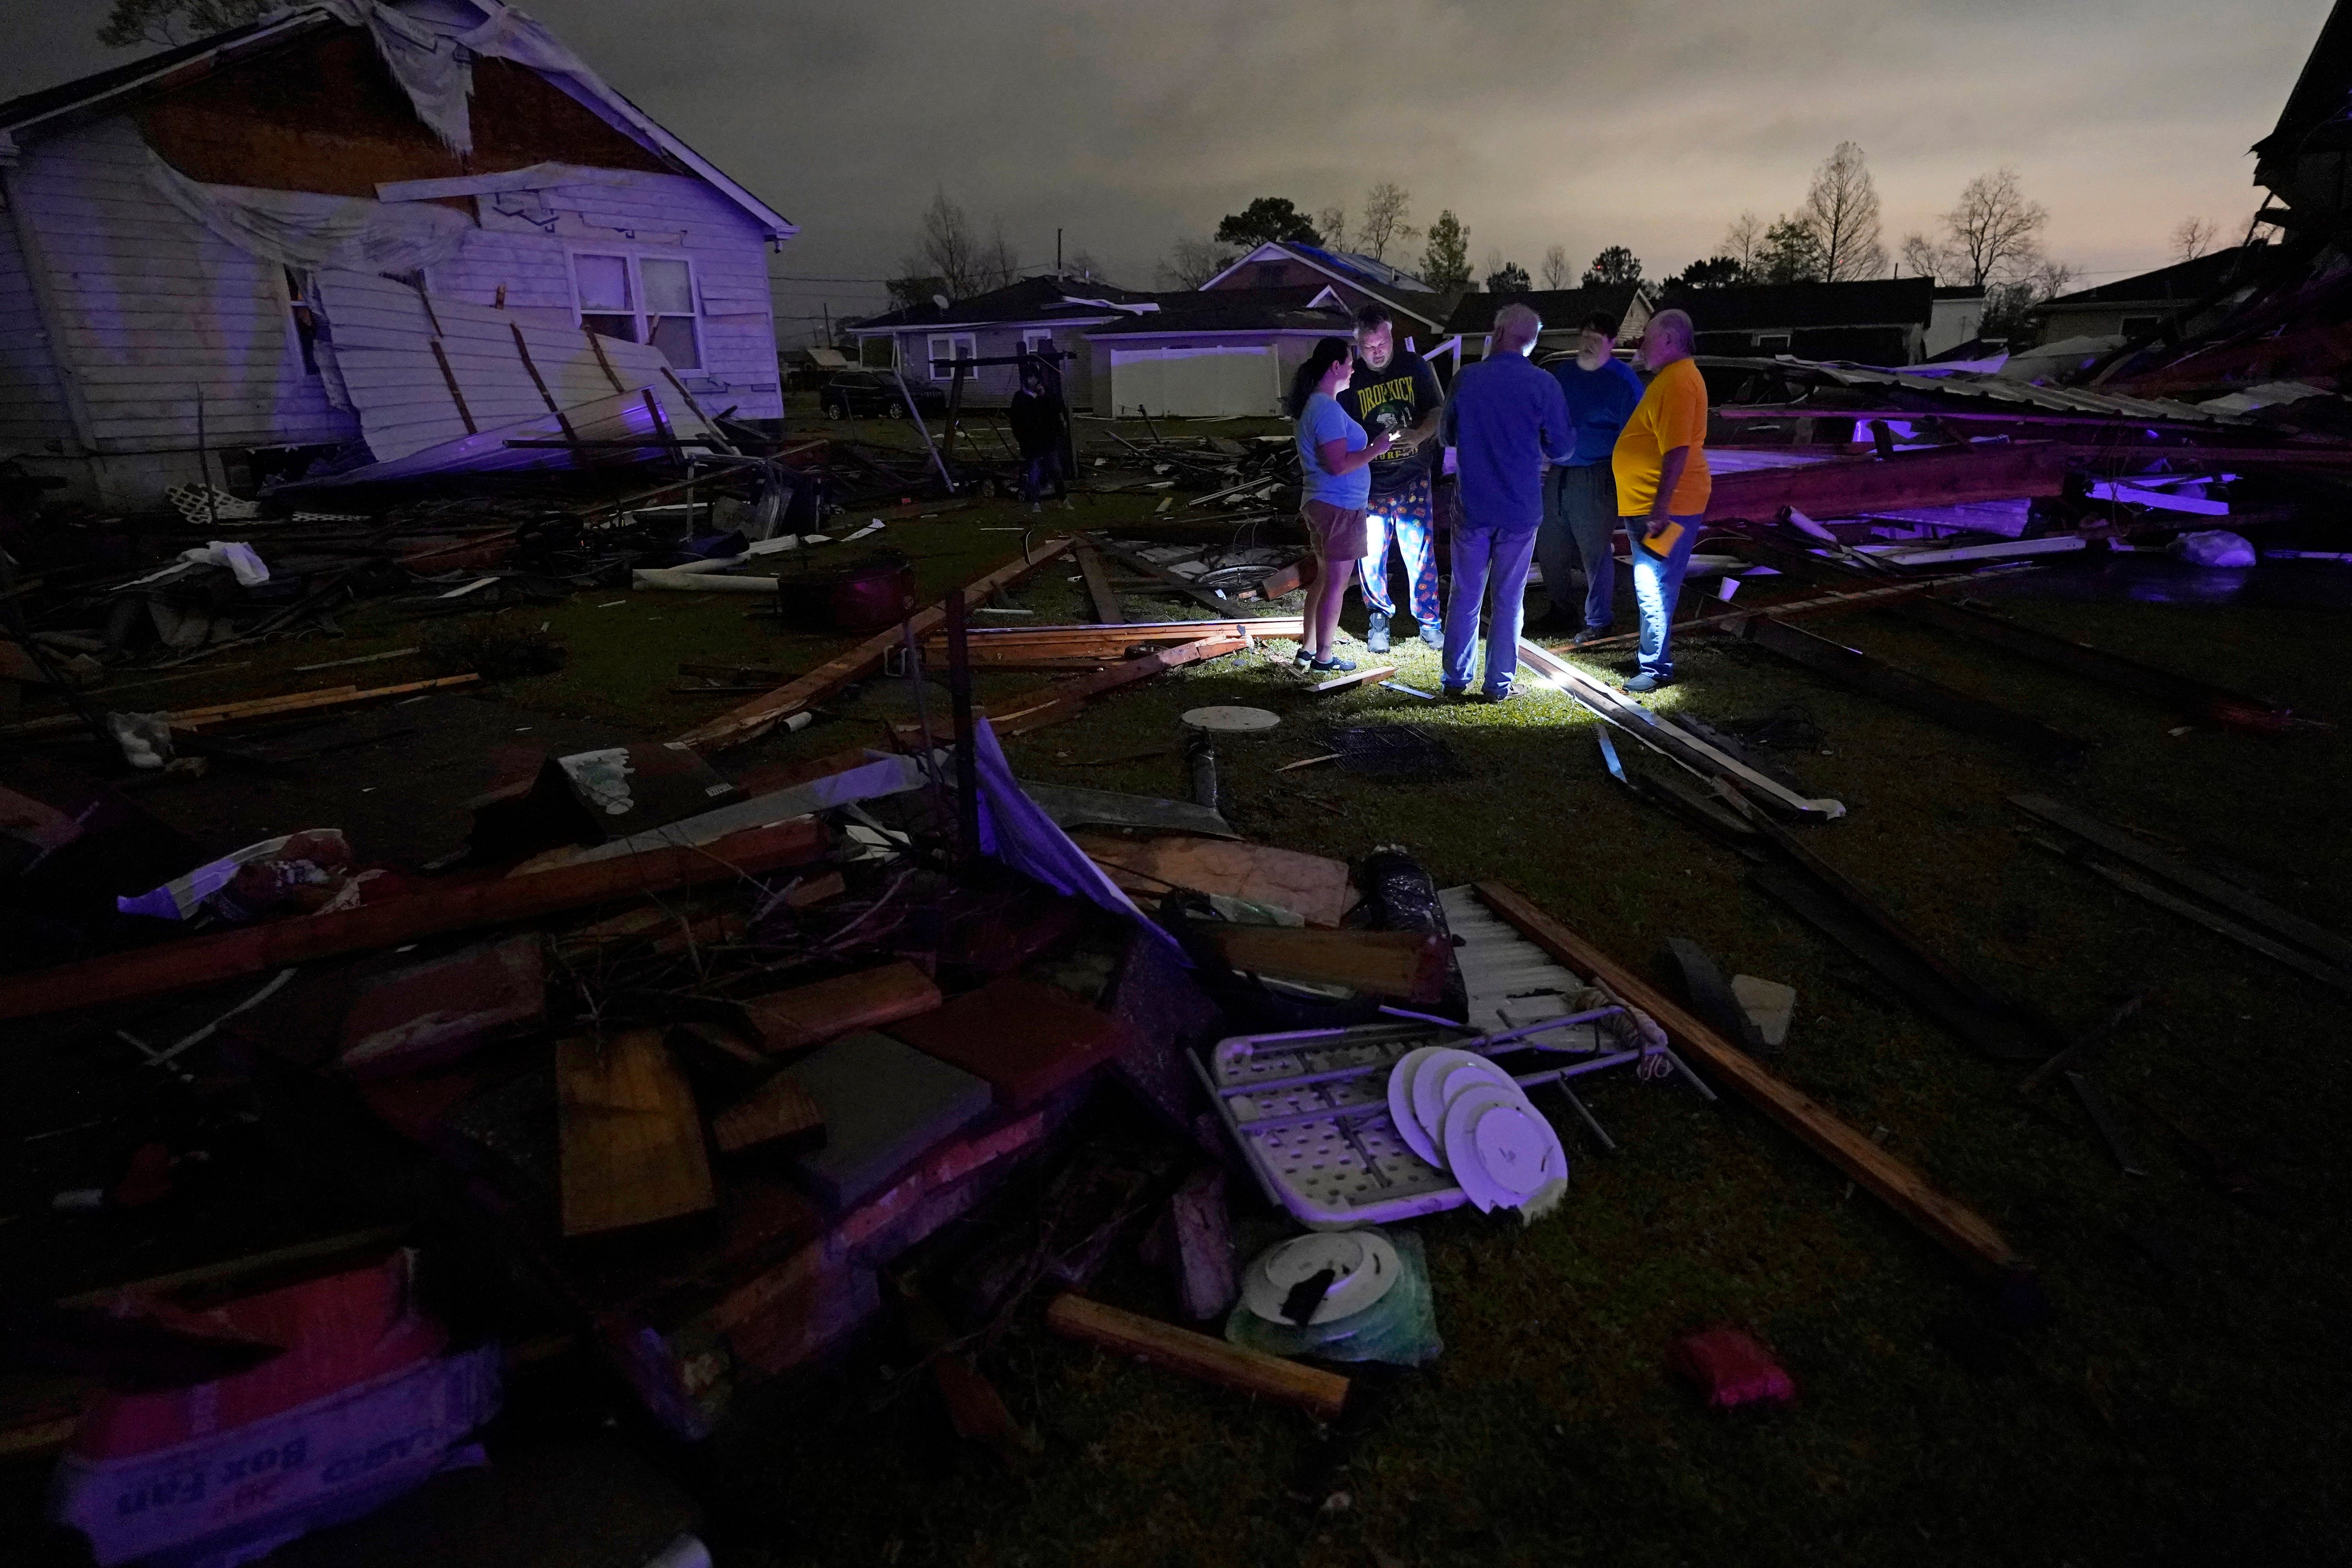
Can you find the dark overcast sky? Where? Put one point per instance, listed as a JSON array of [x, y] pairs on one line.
[[1568, 121]]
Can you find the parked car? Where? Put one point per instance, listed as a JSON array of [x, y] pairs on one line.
[[862, 393]]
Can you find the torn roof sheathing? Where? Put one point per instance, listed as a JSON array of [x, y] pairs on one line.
[[382, 338], [1987, 389]]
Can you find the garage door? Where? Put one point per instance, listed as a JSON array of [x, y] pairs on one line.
[[1202, 383]]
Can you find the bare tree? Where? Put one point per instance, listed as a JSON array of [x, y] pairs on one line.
[[1995, 233], [1193, 262], [1555, 269], [1843, 209], [1331, 223], [948, 248], [2193, 238], [1743, 241], [1386, 206], [1924, 258]]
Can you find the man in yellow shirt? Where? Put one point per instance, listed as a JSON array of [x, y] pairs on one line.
[[1660, 466]]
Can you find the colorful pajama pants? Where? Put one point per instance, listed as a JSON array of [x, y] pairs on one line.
[[1408, 516]]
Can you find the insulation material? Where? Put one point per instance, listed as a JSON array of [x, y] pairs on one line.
[[424, 372], [304, 230]]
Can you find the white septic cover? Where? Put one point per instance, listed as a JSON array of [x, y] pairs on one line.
[[1232, 721]]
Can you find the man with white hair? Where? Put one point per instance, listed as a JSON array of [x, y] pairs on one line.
[[1505, 418], [1663, 485]]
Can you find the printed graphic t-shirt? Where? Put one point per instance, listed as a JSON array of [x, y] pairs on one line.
[[1324, 420], [1394, 398], [1672, 413]]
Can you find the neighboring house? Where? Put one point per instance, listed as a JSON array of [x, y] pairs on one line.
[[1887, 321], [2134, 307], [1954, 319], [1212, 353], [1563, 310], [182, 232], [1347, 279], [1020, 317]]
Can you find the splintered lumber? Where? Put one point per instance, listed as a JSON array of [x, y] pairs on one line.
[[1963, 1232], [761, 714], [1168, 582], [1061, 647], [779, 1107], [1313, 885], [811, 1014], [2262, 913], [1823, 604], [193, 961], [1320, 1393], [631, 1140], [1201, 1234], [1407, 964], [2222, 925], [1842, 487], [1064, 699], [1099, 588]]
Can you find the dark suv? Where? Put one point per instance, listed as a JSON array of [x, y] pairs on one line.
[[866, 393]]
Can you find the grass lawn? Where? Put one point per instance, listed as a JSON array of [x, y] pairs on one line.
[[2186, 1401]]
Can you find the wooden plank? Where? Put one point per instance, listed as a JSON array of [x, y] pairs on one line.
[[2326, 973], [1313, 885], [1354, 678], [309, 701], [451, 905], [1203, 1237], [441, 359], [779, 1107], [2279, 922], [811, 1014], [1098, 586], [632, 1139], [1066, 699], [1208, 599], [1114, 643], [1853, 668], [1320, 1393], [1969, 1235], [1406, 964], [760, 715]]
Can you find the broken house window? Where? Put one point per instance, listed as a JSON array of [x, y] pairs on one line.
[[950, 346], [1038, 340], [1772, 343], [640, 299], [306, 319]]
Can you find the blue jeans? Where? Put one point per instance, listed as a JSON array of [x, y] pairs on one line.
[[1656, 584], [1579, 515], [1505, 554]]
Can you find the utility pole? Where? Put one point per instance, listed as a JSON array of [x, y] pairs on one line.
[[827, 306], [1057, 253]]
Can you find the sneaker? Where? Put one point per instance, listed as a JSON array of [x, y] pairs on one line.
[[1303, 660], [1454, 693], [1433, 635], [1333, 666], [1491, 695], [1590, 635], [1646, 681], [1376, 633]]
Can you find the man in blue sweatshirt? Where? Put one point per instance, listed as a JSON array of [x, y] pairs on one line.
[[1581, 495], [1503, 418]]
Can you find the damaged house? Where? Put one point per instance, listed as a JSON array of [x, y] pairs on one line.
[[357, 234], [1883, 322]]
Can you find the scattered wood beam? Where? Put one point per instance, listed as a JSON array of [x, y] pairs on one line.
[[1099, 588], [1945, 705], [761, 714], [1842, 487], [1320, 1393], [1969, 1236], [631, 1138], [451, 906]]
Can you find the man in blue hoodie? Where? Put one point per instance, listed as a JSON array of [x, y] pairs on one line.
[[1505, 418], [1581, 495]]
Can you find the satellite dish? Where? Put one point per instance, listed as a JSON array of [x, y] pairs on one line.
[[940, 301]]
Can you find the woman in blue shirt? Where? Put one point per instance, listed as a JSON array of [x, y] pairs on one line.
[[1335, 484]]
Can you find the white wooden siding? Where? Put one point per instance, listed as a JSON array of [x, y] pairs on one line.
[[383, 335], [33, 412], [151, 307], [526, 247]]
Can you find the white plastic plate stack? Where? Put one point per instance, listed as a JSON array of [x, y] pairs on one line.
[[1362, 1263], [1464, 1115]]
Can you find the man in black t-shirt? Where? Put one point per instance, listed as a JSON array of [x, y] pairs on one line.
[[1394, 391]]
